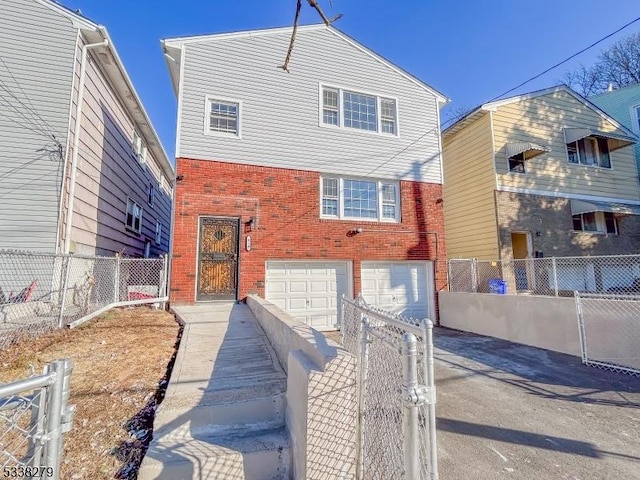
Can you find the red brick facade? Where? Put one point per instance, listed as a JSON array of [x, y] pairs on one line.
[[286, 205]]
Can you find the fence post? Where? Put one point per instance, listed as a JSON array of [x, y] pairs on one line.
[[410, 410], [65, 285], [54, 417], [430, 380], [164, 281], [474, 275], [581, 329], [362, 362], [555, 275], [116, 280]]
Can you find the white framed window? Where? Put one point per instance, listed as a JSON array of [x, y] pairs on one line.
[[139, 148], [158, 233], [222, 117], [591, 151], [361, 199], [352, 109], [151, 195], [599, 222], [133, 219]]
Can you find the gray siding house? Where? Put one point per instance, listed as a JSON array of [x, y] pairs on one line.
[[82, 169]]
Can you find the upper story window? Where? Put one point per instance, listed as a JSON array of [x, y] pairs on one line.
[[636, 118], [151, 194], [133, 220], [222, 117], [139, 148], [360, 111], [592, 151], [601, 222], [348, 198], [158, 233], [516, 163]]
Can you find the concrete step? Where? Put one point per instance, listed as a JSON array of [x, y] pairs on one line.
[[217, 418], [264, 456]]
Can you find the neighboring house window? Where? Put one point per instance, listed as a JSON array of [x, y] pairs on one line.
[[139, 148], [593, 151], [360, 199], [360, 111], [516, 163], [152, 194], [222, 117], [134, 216], [602, 222], [147, 248], [158, 233], [636, 120]]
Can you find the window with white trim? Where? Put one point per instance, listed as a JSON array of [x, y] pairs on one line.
[[158, 233], [600, 222], [360, 111], [351, 198], [222, 117], [636, 118], [591, 151], [151, 194], [133, 220], [138, 148]]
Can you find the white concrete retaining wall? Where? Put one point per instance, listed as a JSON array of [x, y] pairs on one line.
[[321, 394], [544, 322]]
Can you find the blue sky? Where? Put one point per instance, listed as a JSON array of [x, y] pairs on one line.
[[470, 51]]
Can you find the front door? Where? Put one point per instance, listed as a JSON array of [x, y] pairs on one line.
[[521, 244], [218, 259]]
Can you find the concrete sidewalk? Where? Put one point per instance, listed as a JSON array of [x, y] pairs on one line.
[[223, 414]]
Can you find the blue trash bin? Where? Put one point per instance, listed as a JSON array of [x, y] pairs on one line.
[[497, 285]]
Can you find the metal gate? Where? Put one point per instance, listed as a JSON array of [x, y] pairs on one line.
[[609, 326], [396, 392], [218, 259]]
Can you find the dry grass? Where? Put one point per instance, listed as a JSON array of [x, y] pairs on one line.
[[120, 359]]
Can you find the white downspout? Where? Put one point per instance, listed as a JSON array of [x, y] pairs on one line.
[[76, 143]]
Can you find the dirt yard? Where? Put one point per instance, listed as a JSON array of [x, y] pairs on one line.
[[120, 370]]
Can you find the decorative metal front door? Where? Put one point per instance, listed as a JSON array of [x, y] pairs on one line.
[[218, 259]]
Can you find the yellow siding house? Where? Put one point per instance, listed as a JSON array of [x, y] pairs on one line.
[[538, 175]]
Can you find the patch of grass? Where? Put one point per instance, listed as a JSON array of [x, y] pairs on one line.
[[120, 360]]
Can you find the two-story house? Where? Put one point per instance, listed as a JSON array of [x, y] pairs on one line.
[[541, 174], [83, 170], [307, 185], [623, 104]]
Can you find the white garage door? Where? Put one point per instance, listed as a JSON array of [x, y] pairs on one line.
[[405, 288], [310, 291]]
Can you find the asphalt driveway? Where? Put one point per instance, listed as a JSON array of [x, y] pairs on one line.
[[510, 411]]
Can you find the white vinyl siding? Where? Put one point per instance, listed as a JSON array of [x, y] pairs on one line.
[[36, 74], [360, 199], [281, 113]]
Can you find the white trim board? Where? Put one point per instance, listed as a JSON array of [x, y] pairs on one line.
[[577, 196]]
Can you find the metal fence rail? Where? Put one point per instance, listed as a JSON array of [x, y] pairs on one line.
[[554, 276], [41, 292], [396, 392], [34, 416], [609, 328]]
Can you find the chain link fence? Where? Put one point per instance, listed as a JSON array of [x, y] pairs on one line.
[[41, 292], [555, 276], [34, 416], [396, 392], [610, 331]]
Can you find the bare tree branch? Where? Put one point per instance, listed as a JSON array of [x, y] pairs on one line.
[[285, 65], [327, 22]]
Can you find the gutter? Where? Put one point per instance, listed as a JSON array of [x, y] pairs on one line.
[[76, 141]]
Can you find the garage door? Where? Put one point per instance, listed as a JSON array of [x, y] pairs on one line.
[[310, 291], [405, 288]]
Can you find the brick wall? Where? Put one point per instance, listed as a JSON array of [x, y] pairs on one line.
[[551, 217], [286, 205]]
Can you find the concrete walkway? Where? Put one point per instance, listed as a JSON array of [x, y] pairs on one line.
[[223, 414]]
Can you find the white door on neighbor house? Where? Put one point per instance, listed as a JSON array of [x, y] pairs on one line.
[[309, 290], [406, 288]]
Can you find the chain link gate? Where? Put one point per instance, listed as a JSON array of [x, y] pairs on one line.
[[396, 392], [34, 416], [609, 327]]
